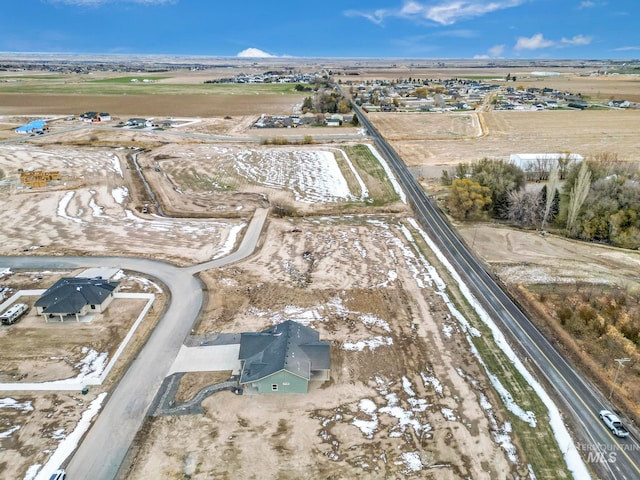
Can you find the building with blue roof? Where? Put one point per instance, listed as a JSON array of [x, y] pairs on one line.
[[35, 126]]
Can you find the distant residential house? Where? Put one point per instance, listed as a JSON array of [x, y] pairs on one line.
[[89, 117], [76, 296], [282, 359], [619, 103], [139, 122]]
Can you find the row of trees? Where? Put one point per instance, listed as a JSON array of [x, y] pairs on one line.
[[599, 199], [326, 101]]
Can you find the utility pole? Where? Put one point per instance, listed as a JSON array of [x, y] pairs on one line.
[[620, 361]]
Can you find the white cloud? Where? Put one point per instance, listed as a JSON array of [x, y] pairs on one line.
[[538, 41], [377, 16], [447, 12], [451, 12], [586, 4], [496, 51], [576, 40], [627, 49], [253, 53], [533, 43]]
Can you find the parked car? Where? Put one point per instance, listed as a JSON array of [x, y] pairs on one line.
[[58, 475], [612, 421]]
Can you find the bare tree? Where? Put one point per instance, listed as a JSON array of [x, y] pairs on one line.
[[524, 208], [578, 194]]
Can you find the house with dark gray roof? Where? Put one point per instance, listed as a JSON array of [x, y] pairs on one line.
[[282, 359], [76, 296]]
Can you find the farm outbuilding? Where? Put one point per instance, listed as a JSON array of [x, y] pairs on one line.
[[76, 296], [282, 359], [538, 165], [34, 126]]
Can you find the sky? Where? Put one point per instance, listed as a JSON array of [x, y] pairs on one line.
[[491, 29]]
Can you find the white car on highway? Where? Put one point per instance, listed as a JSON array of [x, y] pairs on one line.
[[612, 421]]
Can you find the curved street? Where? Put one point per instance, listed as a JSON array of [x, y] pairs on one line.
[[105, 446]]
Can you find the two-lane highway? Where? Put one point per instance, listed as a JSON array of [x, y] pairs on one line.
[[580, 399]]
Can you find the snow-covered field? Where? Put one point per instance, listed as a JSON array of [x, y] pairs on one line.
[[98, 215], [312, 175]]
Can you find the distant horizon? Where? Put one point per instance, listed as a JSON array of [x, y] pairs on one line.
[[285, 58], [411, 29]]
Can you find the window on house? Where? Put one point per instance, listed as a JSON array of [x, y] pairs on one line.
[[274, 387], [93, 307]]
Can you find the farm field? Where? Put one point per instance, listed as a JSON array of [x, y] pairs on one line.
[[141, 105], [432, 145]]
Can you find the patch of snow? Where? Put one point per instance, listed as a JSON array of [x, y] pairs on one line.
[[69, 444], [368, 406], [406, 386], [412, 461], [230, 242], [97, 210], [363, 187], [119, 194], [433, 381], [32, 471], [371, 320], [367, 427], [448, 414], [500, 434], [447, 331], [11, 403], [62, 207], [116, 165], [92, 365], [371, 344], [389, 172], [5, 272], [8, 433]]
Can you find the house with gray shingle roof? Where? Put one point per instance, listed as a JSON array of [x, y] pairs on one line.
[[76, 296], [282, 359]]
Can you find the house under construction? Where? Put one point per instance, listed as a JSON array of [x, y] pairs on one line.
[[38, 178]]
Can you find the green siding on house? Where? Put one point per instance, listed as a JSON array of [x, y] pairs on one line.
[[285, 381]]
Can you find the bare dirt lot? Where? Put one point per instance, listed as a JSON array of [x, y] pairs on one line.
[[401, 405]]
